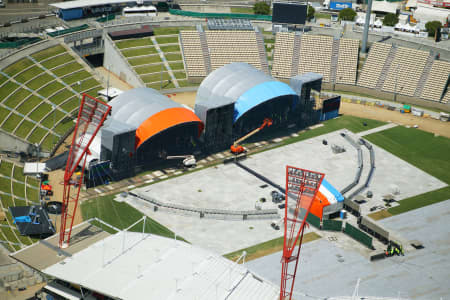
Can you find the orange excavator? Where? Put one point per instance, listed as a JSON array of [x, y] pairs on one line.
[[238, 149]]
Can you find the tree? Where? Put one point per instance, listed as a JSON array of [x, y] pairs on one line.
[[347, 14], [311, 12], [390, 20], [261, 8], [432, 27]]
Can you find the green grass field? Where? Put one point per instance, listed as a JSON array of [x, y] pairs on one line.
[[24, 129], [14, 100], [170, 48], [150, 69], [18, 66], [28, 74], [144, 60], [134, 43], [29, 104], [18, 173], [120, 215], [18, 189], [179, 75], [139, 51], [54, 116], [32, 194], [155, 77], [11, 122], [49, 141], [85, 85], [70, 105], [7, 89], [66, 69], [64, 126], [50, 52], [78, 76], [3, 114], [173, 56], [423, 150], [176, 65], [50, 89], [167, 40], [6, 168]]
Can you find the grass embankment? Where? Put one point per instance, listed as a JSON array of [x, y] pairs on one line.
[[268, 247], [121, 215], [423, 150]]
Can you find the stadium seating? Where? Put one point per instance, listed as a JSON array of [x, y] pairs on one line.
[[405, 71], [446, 98], [233, 46], [315, 55], [374, 65], [283, 54], [436, 81], [15, 190], [40, 94], [193, 53], [347, 61]]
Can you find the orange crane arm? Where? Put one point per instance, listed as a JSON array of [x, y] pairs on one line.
[[267, 122]]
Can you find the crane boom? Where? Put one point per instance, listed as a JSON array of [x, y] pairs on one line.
[[236, 148]]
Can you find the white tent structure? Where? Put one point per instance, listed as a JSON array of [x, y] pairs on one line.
[[425, 13], [385, 6]]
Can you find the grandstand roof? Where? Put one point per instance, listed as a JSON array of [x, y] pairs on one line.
[[129, 265], [241, 84], [87, 3], [149, 112]]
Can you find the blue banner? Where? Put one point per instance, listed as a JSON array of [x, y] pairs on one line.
[[340, 5]]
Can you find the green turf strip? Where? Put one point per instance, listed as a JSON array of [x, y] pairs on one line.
[[61, 96], [173, 56], [170, 30], [120, 215], [18, 189], [6, 168], [53, 118], [5, 186], [155, 77], [78, 76], [32, 194], [66, 69], [176, 65], [134, 43], [3, 79], [7, 231], [11, 123], [70, 105], [85, 85], [139, 51], [49, 141], [64, 126], [24, 129], [29, 74], [170, 48], [14, 100], [18, 173], [18, 66], [144, 60], [6, 199], [37, 135], [7, 89], [3, 113], [33, 181], [179, 75], [150, 69], [48, 52], [40, 112], [40, 81], [57, 61], [29, 104], [50, 89]]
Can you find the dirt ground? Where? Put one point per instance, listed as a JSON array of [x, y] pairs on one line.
[[359, 110], [114, 80]]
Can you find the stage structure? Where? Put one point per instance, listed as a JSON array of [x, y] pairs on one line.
[[301, 189], [236, 98], [91, 116]]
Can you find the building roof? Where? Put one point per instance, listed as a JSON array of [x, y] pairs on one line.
[[88, 3], [130, 265], [238, 83], [149, 112]]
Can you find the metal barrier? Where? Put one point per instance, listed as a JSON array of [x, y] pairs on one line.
[[313, 220], [360, 164], [68, 30], [358, 235], [332, 225], [374, 229]]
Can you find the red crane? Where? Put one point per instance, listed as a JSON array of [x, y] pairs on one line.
[[91, 116], [238, 149], [301, 188]]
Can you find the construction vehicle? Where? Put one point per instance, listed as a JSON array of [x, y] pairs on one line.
[[238, 149], [188, 160]]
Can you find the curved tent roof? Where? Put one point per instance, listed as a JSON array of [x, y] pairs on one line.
[[241, 84], [149, 112]]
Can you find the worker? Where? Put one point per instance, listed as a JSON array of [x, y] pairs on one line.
[[392, 251], [397, 251], [401, 250]]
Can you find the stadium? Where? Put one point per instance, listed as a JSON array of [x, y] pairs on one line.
[[189, 150]]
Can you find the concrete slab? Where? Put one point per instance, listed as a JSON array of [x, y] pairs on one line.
[[327, 269]]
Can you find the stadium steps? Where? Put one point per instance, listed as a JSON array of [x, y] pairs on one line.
[[424, 77], [205, 51], [334, 61], [262, 52], [296, 55], [386, 67]]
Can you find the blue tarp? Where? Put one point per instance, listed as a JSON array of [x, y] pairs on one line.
[[22, 219], [71, 14], [332, 190], [259, 94]]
